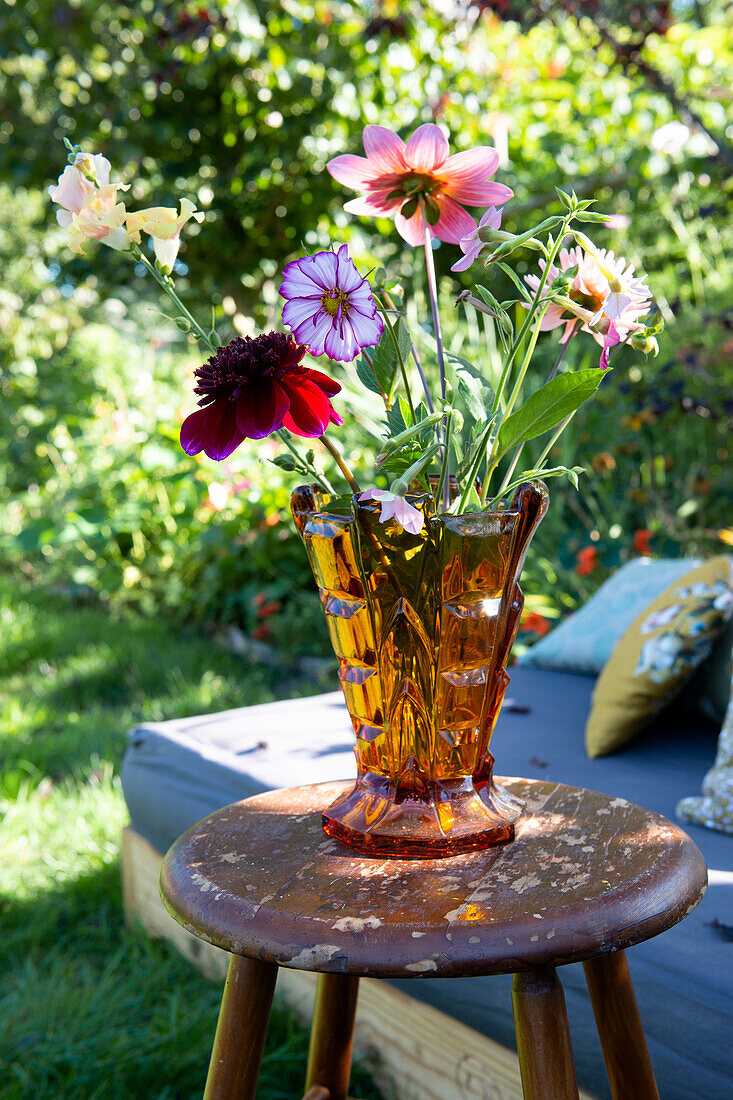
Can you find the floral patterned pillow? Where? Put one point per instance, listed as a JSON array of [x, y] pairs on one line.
[[585, 640], [714, 807], [658, 654]]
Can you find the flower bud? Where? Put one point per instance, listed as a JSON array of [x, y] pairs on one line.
[[488, 235], [647, 344]]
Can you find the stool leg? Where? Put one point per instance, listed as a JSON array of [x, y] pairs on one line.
[[543, 1036], [625, 1053], [241, 1030], [332, 1034]]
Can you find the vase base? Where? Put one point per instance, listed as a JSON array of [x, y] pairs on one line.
[[444, 819]]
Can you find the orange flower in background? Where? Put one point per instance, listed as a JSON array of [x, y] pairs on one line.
[[587, 560], [268, 609], [535, 623], [604, 463], [642, 541]]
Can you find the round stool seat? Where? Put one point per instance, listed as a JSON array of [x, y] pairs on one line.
[[586, 874]]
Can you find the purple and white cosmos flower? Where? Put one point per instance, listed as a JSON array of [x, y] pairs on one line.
[[329, 306]]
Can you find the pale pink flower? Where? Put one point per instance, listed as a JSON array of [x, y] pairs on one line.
[[163, 224], [595, 300], [556, 315], [101, 218], [617, 221], [397, 508], [74, 186], [89, 206], [396, 178], [472, 244], [610, 339]]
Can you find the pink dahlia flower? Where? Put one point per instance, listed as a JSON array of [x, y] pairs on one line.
[[472, 244], [590, 290], [329, 306], [251, 388], [397, 179]]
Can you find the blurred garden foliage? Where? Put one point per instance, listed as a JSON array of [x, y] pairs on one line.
[[239, 105]]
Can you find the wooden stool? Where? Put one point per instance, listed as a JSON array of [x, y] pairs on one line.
[[586, 877]]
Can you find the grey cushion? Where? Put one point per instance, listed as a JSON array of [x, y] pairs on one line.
[[174, 773]]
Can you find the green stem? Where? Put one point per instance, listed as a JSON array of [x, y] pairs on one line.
[[401, 362], [530, 315], [352, 482], [166, 285], [518, 452], [426, 389], [370, 361], [440, 491], [553, 439], [433, 296], [473, 473], [308, 467]]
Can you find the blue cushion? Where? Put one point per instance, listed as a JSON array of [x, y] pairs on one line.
[[174, 773], [584, 641]]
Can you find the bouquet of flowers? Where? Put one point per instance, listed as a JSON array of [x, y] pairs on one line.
[[418, 570], [447, 431]]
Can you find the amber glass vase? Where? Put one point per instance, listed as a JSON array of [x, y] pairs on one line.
[[422, 626]]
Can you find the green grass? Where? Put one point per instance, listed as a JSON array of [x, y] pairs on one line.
[[88, 1008]]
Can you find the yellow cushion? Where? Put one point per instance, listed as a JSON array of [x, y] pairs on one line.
[[658, 654]]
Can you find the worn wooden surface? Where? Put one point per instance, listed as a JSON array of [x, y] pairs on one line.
[[625, 1052], [543, 1036], [241, 1030], [586, 874], [422, 1052], [332, 1034]]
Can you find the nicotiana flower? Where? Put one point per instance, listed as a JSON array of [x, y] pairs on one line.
[[397, 508], [610, 339], [472, 244], [164, 225], [253, 387], [329, 306], [89, 206], [398, 178]]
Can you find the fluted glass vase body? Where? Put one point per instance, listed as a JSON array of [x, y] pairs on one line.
[[422, 626]]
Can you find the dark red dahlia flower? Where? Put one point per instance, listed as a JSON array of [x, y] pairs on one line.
[[253, 387]]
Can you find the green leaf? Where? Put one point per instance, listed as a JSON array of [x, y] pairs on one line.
[[425, 422], [564, 199], [501, 314], [365, 374], [474, 394], [521, 287], [545, 408], [466, 464], [384, 356], [395, 420], [285, 462], [590, 216]]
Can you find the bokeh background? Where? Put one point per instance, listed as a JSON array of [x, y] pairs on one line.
[[136, 582]]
